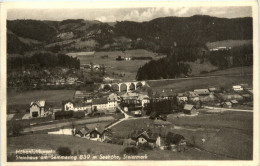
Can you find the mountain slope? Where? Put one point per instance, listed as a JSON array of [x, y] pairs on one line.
[[157, 35]]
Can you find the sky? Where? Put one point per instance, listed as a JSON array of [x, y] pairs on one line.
[[127, 14]]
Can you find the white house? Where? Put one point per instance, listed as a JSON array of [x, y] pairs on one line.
[[69, 106], [37, 109], [144, 99], [73, 106], [100, 104], [112, 100], [238, 88], [181, 97]]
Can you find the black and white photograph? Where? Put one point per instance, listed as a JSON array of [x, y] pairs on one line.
[[127, 82]]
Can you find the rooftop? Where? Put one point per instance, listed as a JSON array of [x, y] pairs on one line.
[[40, 103], [188, 107], [99, 101], [201, 91]]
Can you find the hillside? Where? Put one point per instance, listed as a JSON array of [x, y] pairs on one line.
[[156, 35], [193, 30]]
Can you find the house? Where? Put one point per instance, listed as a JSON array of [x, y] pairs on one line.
[[76, 106], [188, 108], [181, 97], [237, 88], [227, 104], [112, 100], [68, 106], [234, 102], [144, 99], [94, 135], [83, 132], [146, 136], [107, 135], [192, 96], [214, 90], [138, 113], [100, 104], [37, 109], [201, 92]]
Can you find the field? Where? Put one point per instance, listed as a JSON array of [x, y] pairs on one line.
[[83, 146], [45, 141], [47, 95], [182, 85], [228, 43], [129, 68], [230, 71], [197, 67], [227, 134]]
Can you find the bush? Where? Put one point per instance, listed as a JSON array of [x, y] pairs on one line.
[[15, 129], [88, 150], [131, 150], [204, 72], [120, 142], [63, 115], [145, 146], [64, 151], [79, 114], [169, 147]]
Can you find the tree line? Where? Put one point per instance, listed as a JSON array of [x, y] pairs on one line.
[[168, 67], [47, 60], [235, 57]]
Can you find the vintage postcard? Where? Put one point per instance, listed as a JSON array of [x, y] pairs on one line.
[[126, 83]]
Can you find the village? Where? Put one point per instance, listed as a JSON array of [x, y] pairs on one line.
[[134, 103], [167, 87]]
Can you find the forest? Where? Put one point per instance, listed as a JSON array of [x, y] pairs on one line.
[[41, 60], [174, 64], [235, 57]]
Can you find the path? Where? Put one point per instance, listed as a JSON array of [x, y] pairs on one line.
[[63, 124], [120, 120], [127, 117], [227, 109], [199, 77]]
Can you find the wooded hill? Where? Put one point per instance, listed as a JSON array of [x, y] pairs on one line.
[[157, 35]]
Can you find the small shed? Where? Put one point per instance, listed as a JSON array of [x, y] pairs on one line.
[[227, 104], [201, 92], [188, 108], [234, 102]]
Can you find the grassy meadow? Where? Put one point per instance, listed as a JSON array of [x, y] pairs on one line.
[[129, 68], [227, 134], [228, 43], [182, 85]]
